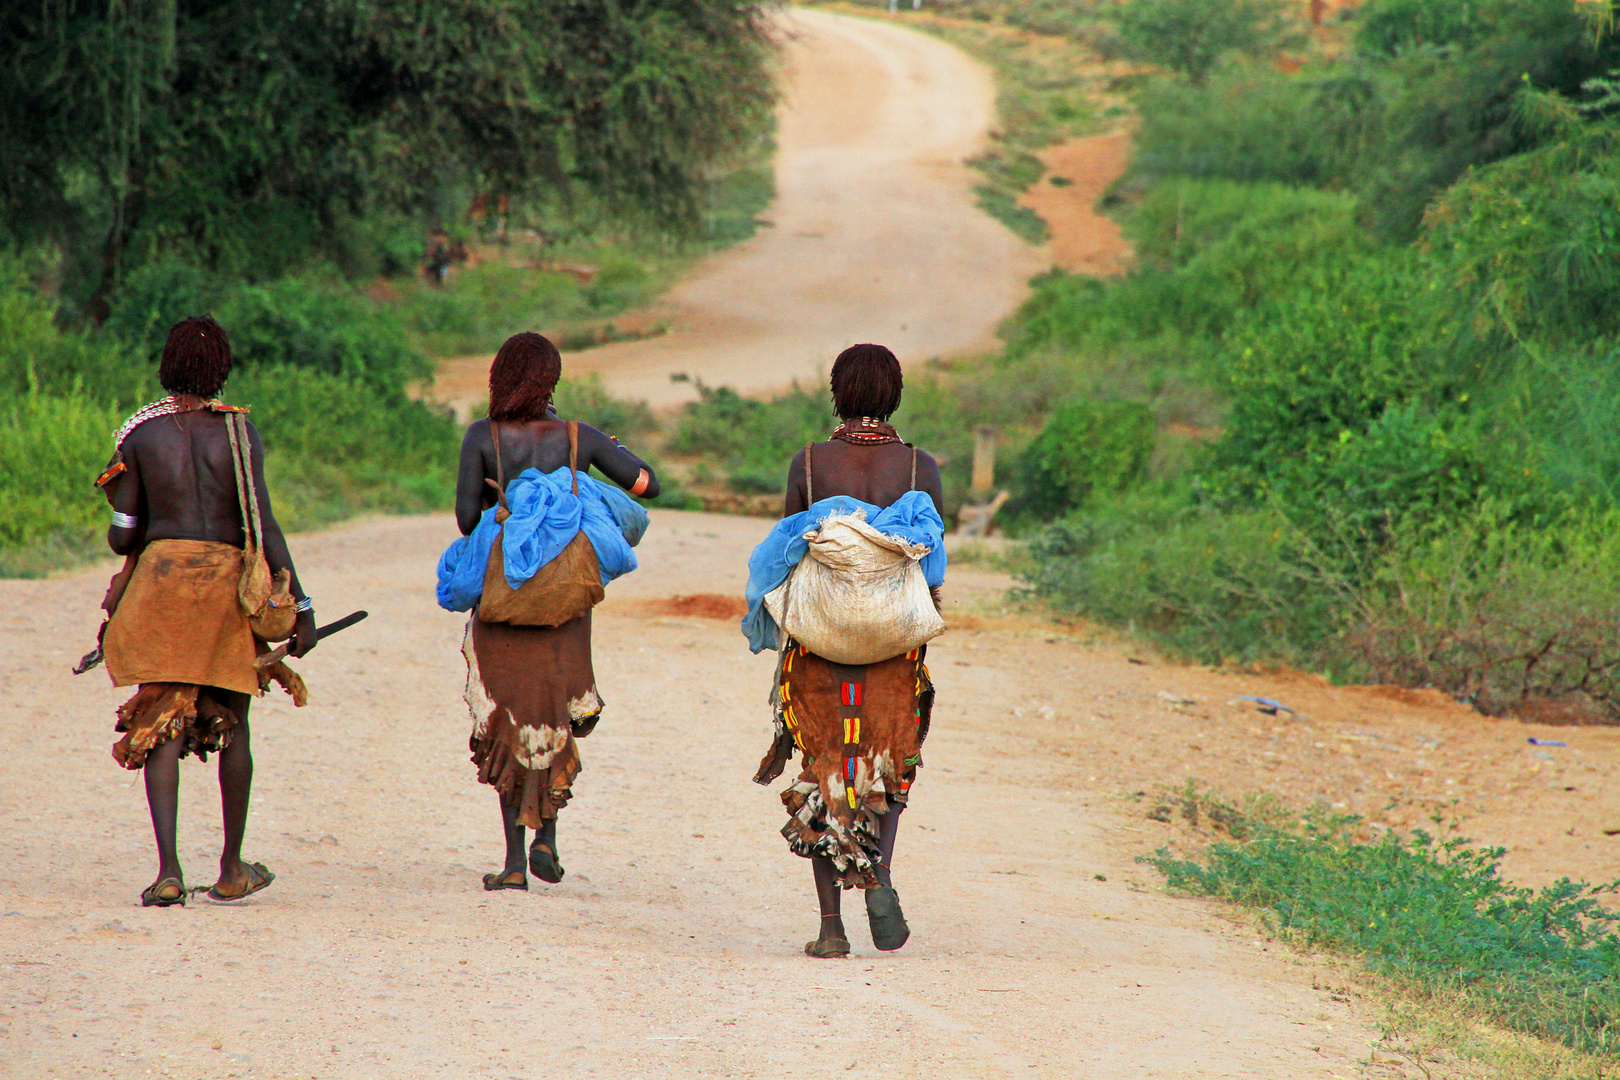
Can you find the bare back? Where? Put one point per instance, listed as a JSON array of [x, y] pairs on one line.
[[186, 478], [179, 483], [878, 474], [535, 444]]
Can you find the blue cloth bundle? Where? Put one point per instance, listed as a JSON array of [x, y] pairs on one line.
[[546, 516], [911, 517]]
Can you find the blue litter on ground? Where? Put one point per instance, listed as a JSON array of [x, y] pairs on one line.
[[1266, 704], [1546, 742]]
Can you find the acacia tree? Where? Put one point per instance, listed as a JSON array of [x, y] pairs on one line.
[[252, 135]]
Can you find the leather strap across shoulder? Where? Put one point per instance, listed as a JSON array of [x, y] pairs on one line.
[[500, 469], [809, 477], [573, 453]]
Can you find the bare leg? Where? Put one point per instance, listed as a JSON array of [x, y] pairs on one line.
[[235, 790], [516, 853], [163, 799], [830, 896], [543, 861], [888, 829]]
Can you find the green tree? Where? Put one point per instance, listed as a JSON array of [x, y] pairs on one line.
[[253, 137], [1190, 36]]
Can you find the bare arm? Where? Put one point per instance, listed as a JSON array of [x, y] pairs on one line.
[[797, 502], [473, 496], [928, 480], [276, 552], [127, 500], [615, 461]]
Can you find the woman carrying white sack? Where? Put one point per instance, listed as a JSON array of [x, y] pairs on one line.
[[846, 587]]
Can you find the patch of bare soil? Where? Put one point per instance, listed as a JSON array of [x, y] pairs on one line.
[[1078, 173]]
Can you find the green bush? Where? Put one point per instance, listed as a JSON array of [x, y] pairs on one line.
[[36, 355], [752, 440], [1435, 913], [51, 450], [336, 446], [1087, 446], [327, 329], [586, 398], [1390, 27], [1189, 37], [1212, 587], [1502, 613]]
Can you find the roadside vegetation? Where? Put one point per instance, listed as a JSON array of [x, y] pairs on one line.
[[1433, 918], [1373, 321], [289, 168]]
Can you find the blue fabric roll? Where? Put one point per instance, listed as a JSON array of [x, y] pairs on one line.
[[911, 517], [546, 516]]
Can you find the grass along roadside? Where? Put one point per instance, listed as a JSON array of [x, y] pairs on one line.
[[1511, 980]]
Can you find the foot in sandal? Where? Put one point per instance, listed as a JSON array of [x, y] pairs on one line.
[[506, 879], [832, 944], [165, 892], [254, 877]]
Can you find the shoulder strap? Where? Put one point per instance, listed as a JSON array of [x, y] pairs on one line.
[[500, 469], [809, 478], [247, 496], [573, 453], [913, 486], [499, 483]]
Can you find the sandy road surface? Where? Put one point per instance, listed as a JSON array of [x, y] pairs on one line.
[[874, 237], [672, 948]]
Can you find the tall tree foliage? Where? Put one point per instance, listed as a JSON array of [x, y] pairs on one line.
[[252, 135]]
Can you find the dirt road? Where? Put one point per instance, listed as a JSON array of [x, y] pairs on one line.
[[874, 235], [672, 948]]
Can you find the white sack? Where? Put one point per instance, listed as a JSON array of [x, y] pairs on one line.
[[857, 596]]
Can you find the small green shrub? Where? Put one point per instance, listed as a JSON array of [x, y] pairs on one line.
[[752, 440], [1391, 27], [1502, 613], [586, 398], [1435, 912], [336, 446], [1087, 446]]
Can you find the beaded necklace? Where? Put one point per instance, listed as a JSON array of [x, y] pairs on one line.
[[865, 431], [172, 405], [169, 406]]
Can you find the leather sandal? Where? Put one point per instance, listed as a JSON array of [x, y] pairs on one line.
[[544, 864], [152, 895], [494, 882], [888, 923], [827, 948]]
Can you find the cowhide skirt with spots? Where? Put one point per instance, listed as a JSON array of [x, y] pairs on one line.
[[860, 731], [532, 692]]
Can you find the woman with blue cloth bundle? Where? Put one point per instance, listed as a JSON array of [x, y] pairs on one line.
[[846, 587], [534, 557]]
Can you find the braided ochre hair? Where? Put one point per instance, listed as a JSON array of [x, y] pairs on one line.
[[523, 377], [196, 358]]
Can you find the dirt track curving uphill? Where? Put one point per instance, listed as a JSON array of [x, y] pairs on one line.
[[874, 235]]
